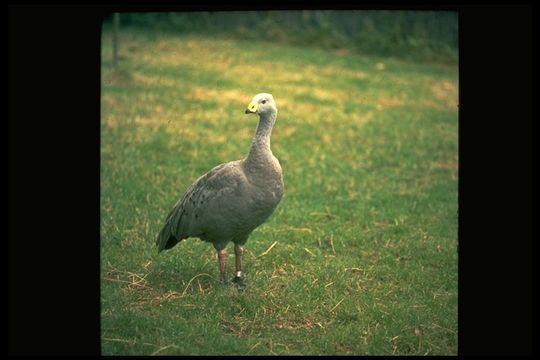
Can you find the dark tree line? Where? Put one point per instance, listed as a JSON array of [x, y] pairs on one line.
[[387, 32]]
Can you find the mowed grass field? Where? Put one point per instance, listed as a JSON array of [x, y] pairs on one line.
[[360, 256]]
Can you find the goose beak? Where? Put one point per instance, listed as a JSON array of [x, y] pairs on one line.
[[252, 107]]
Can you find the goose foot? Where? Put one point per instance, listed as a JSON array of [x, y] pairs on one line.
[[239, 282]]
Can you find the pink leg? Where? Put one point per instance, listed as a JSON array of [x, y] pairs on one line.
[[238, 253], [222, 255], [238, 279]]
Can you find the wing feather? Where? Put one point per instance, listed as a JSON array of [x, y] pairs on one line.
[[183, 220]]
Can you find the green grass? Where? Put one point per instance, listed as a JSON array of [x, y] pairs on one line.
[[365, 260]]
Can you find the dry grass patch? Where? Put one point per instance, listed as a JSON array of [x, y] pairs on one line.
[[446, 92], [204, 93]]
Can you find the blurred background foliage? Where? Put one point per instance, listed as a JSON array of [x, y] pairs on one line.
[[411, 35]]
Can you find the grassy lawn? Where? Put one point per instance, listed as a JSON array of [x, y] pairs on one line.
[[365, 238]]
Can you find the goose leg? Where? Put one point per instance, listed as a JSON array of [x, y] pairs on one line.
[[222, 255], [238, 279]]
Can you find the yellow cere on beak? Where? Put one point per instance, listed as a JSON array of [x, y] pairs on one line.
[[252, 107]]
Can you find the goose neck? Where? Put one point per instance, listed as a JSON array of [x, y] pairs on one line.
[[260, 145]]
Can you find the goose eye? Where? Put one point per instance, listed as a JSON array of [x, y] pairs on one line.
[[264, 101]]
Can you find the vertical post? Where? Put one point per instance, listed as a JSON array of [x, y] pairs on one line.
[[116, 24]]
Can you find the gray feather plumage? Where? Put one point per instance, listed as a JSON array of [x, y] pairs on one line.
[[231, 200]]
